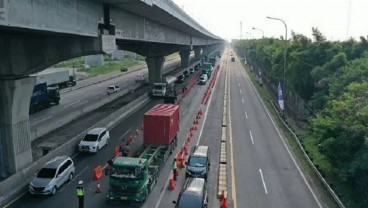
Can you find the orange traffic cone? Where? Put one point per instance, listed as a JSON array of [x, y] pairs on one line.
[[172, 183], [223, 200], [98, 190]]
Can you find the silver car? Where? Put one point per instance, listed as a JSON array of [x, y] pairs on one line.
[[52, 176]]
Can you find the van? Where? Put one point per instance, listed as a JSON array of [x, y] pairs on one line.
[[52, 176], [198, 164], [94, 140], [193, 194]]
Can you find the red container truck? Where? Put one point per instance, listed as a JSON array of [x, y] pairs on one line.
[[161, 124], [132, 179]]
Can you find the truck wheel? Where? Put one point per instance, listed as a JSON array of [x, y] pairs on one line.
[[57, 102]]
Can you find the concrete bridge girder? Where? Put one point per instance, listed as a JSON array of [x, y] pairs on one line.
[[129, 26], [22, 53]]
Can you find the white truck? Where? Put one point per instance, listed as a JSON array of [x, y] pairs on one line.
[[56, 78], [164, 88]]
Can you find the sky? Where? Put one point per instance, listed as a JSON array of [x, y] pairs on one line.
[[336, 19]]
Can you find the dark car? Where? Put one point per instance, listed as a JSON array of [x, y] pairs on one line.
[[194, 194], [186, 74], [191, 71], [196, 67], [198, 164], [180, 80], [124, 69]]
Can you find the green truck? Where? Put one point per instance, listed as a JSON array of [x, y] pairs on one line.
[[207, 69], [132, 178]]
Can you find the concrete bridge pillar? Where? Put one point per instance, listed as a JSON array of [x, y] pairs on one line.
[[197, 53], [155, 65], [184, 56], [15, 142]]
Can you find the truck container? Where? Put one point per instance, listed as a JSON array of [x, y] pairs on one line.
[[43, 97], [133, 178], [56, 78], [160, 124]]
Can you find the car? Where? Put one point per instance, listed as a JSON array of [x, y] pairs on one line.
[[52, 176], [198, 164], [194, 194], [124, 69], [140, 78], [112, 89], [196, 67], [186, 74], [191, 71], [203, 79], [180, 80], [232, 59], [94, 140]]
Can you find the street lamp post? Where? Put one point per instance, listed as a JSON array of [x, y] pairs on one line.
[[259, 30], [285, 43]]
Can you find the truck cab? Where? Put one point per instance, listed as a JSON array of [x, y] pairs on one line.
[[158, 89], [131, 179]]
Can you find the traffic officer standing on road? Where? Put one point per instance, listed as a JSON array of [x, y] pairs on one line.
[[80, 194], [174, 167]]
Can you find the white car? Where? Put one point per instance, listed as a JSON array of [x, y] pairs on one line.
[[203, 79], [112, 89], [94, 140]]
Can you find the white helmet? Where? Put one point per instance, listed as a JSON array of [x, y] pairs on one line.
[[80, 182]]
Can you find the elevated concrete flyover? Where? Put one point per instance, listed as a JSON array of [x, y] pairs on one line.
[[37, 34]]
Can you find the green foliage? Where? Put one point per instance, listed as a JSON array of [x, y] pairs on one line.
[[332, 77]]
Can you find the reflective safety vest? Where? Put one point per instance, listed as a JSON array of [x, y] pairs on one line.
[[174, 166], [80, 191]]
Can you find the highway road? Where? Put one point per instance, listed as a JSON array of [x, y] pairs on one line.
[[75, 100], [85, 163], [264, 172]]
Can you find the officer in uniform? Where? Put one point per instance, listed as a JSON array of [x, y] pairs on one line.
[[80, 194], [174, 168]]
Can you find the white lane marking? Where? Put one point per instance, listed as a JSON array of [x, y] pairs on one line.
[[70, 104], [263, 181], [242, 100], [185, 111], [62, 188], [43, 119], [199, 138], [127, 131], [251, 137], [78, 104], [246, 115], [240, 91], [286, 147]]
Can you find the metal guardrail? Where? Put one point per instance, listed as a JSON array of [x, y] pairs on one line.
[[327, 186]]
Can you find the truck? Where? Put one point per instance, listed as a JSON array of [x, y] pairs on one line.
[[56, 78], [133, 178], [43, 97], [207, 69], [165, 88]]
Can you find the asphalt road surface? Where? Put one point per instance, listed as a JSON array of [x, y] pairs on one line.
[[265, 173], [78, 99], [85, 163]]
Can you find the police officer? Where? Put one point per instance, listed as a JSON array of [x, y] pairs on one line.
[[174, 167], [80, 194], [125, 150]]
